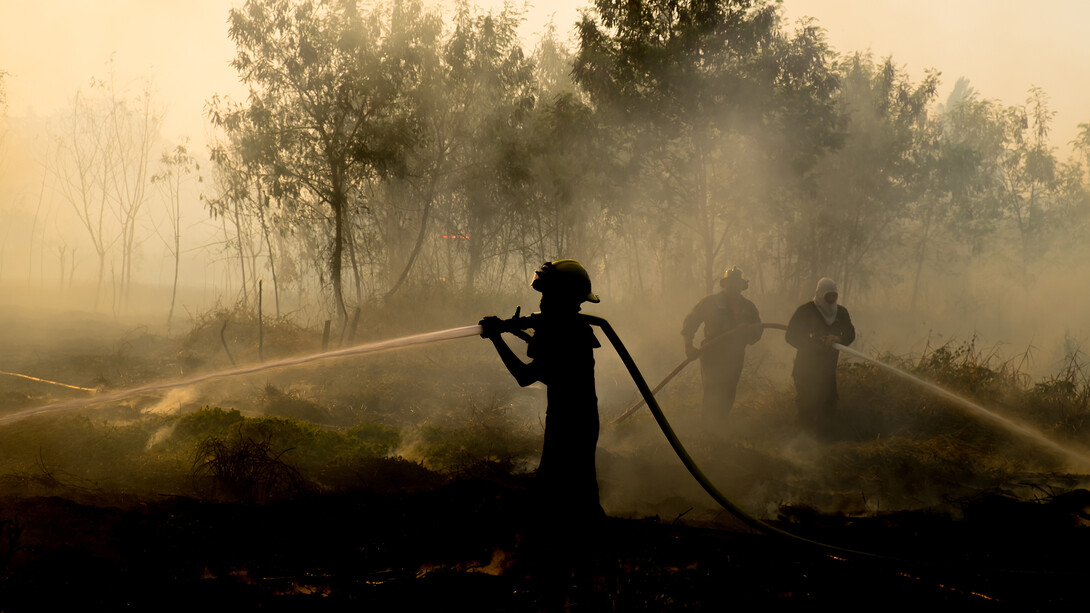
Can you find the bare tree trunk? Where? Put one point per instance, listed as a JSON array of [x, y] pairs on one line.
[[337, 256], [101, 273], [223, 339], [356, 276], [33, 229], [921, 255], [355, 324], [260, 325], [241, 256], [62, 250], [415, 252], [177, 267], [272, 259]]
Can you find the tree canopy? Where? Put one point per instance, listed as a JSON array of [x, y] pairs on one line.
[[382, 147]]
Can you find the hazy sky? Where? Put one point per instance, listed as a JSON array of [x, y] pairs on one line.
[[1003, 47], [51, 48]]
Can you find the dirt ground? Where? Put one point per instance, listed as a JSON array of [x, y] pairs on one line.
[[469, 545], [476, 543]]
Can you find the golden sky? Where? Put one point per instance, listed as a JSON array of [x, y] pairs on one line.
[[1003, 47], [52, 48]]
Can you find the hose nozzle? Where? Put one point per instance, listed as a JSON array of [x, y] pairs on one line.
[[493, 326]]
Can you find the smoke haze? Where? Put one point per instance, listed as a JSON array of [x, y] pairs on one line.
[[53, 49]]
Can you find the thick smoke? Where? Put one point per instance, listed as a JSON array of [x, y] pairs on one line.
[[1012, 289]]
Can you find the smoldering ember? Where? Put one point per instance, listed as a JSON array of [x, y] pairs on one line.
[[672, 306]]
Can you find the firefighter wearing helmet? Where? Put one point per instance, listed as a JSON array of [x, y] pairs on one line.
[[728, 320], [561, 353]]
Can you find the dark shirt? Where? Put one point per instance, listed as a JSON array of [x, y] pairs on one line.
[[806, 332], [562, 357], [720, 313]]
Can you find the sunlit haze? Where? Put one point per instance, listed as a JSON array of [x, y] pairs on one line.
[[375, 320], [52, 48]]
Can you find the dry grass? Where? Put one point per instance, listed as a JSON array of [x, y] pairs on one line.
[[423, 416]]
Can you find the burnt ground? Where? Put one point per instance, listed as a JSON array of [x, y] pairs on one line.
[[474, 544], [467, 545]]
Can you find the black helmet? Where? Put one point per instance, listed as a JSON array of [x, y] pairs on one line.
[[734, 274], [564, 276]]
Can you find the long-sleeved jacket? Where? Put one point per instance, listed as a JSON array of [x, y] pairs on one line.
[[807, 330], [562, 357], [720, 313]]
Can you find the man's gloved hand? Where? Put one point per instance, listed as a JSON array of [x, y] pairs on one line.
[[691, 352], [491, 327]]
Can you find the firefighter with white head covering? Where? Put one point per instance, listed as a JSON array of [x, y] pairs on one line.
[[728, 320], [813, 330]]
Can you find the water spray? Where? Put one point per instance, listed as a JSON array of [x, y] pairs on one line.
[[387, 345], [516, 325], [1006, 423]]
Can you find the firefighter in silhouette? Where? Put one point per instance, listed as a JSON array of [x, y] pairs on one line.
[[813, 330], [558, 551], [561, 353], [727, 318]]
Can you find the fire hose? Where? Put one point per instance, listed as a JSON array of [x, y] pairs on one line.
[[677, 369], [517, 324]]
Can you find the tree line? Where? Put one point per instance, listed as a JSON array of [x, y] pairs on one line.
[[382, 150]]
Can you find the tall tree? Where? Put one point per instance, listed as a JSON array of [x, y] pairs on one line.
[[326, 112], [490, 81], [103, 165], [565, 158], [82, 166], [954, 212], [1028, 174], [716, 99], [860, 191], [177, 169], [132, 134]]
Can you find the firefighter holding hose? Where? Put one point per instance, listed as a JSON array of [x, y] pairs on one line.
[[815, 327], [727, 317], [567, 513], [561, 353]]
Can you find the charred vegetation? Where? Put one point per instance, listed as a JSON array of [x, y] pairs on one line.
[[404, 480]]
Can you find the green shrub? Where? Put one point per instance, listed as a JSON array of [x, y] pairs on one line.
[[209, 421], [375, 440], [242, 468], [286, 404]]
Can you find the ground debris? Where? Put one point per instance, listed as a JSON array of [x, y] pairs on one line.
[[465, 543]]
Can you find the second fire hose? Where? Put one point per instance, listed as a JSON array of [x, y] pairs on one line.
[[516, 324], [677, 369]]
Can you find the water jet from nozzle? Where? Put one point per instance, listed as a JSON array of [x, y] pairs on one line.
[[1008, 424], [387, 345]]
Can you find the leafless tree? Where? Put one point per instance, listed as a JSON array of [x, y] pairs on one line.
[[177, 168], [80, 167], [102, 167]]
